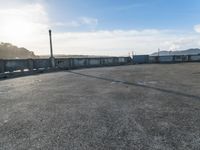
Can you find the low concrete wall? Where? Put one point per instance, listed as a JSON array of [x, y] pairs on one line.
[[94, 62], [153, 59], [15, 65], [2, 66], [166, 59], [142, 59], [194, 57], [21, 65], [41, 63]]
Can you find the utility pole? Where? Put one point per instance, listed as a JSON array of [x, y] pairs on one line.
[[51, 51]]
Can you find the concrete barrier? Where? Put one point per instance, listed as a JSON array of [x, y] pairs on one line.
[[180, 58], [142, 59], [42, 63], [63, 63], [153, 59], [94, 62], [32, 65], [166, 59], [194, 58], [15, 65], [2, 66], [80, 62]]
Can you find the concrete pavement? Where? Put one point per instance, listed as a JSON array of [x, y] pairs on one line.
[[126, 107]]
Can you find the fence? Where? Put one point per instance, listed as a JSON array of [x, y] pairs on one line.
[[21, 65]]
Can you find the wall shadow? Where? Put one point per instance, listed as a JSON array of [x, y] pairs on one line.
[[139, 85]]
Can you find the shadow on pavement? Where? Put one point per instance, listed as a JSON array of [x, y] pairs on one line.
[[139, 85]]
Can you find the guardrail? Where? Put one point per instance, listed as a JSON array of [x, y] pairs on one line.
[[24, 65]]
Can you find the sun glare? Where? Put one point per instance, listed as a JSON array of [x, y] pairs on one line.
[[17, 28]]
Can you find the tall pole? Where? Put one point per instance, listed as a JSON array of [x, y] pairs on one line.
[[51, 50], [51, 47]]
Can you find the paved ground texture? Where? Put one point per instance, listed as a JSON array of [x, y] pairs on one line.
[[127, 107]]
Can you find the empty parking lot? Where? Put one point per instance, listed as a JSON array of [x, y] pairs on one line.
[[127, 107]]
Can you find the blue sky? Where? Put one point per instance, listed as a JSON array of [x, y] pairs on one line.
[[102, 27], [129, 14]]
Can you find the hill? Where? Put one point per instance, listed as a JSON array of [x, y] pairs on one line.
[[9, 51], [194, 51]]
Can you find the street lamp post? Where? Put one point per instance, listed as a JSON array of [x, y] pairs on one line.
[[51, 51]]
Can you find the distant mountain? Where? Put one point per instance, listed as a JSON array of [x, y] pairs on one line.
[[194, 51], [9, 51]]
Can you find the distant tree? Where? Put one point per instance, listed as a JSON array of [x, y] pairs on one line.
[[9, 51]]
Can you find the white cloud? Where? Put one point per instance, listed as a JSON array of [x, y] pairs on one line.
[[88, 21], [34, 13], [67, 24], [28, 26], [120, 42], [24, 26], [82, 21], [197, 28]]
